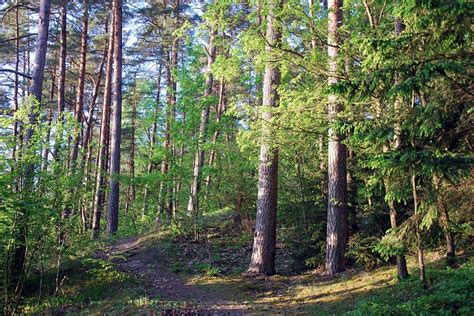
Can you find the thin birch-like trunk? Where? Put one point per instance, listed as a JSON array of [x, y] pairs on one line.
[[104, 136]]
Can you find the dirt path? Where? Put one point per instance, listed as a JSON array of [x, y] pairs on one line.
[[129, 257]]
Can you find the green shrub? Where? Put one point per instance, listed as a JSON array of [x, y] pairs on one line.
[[449, 292], [362, 250]]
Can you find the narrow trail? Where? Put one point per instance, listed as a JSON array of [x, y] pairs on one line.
[[130, 257]]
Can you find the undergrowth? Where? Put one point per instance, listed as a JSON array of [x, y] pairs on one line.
[[93, 286], [448, 292]]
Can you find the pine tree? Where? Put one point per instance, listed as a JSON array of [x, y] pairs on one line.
[[264, 244], [337, 230]]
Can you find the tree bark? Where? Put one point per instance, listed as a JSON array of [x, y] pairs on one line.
[[80, 87], [36, 85], [90, 116], [86, 144], [419, 242], [450, 245], [62, 75], [193, 204], [154, 128], [62, 60], [336, 239], [45, 153], [352, 195], [116, 132], [402, 270], [15, 89], [104, 136], [163, 189], [17, 265], [166, 190], [131, 163], [221, 107], [321, 152], [264, 245]]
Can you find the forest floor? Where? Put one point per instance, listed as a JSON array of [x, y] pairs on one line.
[[155, 274], [129, 256], [192, 278], [158, 273]]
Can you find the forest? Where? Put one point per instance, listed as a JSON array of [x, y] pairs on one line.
[[223, 157]]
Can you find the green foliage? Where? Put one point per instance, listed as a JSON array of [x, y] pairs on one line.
[[392, 244], [207, 268], [448, 293], [364, 250], [89, 283]]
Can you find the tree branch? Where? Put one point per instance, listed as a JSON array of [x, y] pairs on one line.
[[16, 72], [369, 14], [15, 38]]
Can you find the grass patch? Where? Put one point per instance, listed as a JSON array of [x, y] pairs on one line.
[[449, 292], [378, 292], [93, 286]]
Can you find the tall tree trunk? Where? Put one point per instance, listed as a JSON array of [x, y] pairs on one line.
[[78, 111], [221, 107], [90, 117], [45, 154], [80, 87], [131, 164], [17, 67], [62, 75], [402, 270], [352, 194], [61, 107], [104, 136], [166, 186], [162, 192], [449, 236], [36, 85], [165, 192], [321, 152], [86, 160], [154, 128], [27, 64], [62, 60], [419, 242], [264, 244], [193, 204], [35, 90], [116, 131], [336, 239]]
